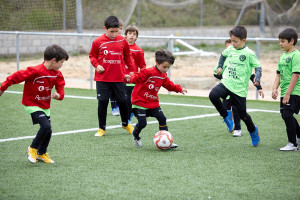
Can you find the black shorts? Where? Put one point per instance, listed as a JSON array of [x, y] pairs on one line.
[[107, 89], [37, 116], [293, 105], [239, 102]]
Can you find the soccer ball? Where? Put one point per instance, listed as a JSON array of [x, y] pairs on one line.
[[163, 139]]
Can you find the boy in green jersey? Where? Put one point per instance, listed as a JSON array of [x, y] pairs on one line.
[[226, 102], [240, 61], [288, 78]]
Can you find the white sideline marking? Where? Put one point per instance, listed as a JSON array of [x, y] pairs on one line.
[[109, 127], [118, 126]]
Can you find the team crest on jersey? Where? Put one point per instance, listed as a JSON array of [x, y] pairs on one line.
[[151, 86], [105, 52], [41, 88], [288, 59], [242, 58]]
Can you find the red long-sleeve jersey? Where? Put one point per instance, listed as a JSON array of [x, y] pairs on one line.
[[138, 56], [148, 82], [112, 55], [39, 82]]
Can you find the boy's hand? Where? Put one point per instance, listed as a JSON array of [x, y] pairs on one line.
[[55, 95], [274, 94], [219, 71], [1, 92], [183, 91], [261, 93], [286, 99], [127, 78], [256, 83], [100, 69]]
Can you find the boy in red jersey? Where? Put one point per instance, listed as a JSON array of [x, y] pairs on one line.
[[109, 54], [144, 96], [39, 81], [131, 35]]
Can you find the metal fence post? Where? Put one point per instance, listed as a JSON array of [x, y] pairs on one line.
[[91, 66], [18, 49], [170, 48], [257, 55]]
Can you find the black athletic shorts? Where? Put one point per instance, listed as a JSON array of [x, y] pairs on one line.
[[37, 116], [107, 89], [293, 105]]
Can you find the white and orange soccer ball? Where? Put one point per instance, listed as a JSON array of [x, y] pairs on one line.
[[163, 139]]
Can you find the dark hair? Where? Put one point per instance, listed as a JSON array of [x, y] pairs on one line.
[[132, 28], [227, 41], [163, 55], [55, 51], [289, 34], [239, 32], [111, 22]]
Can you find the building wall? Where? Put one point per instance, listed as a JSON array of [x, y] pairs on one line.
[[29, 44]]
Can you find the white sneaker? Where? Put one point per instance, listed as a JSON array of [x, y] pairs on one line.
[[137, 142], [115, 111], [237, 133], [289, 147], [173, 146]]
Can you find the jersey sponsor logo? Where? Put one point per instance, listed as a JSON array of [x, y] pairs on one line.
[[42, 98], [151, 86], [41, 88], [115, 53], [288, 59], [150, 96], [112, 61], [242, 58]]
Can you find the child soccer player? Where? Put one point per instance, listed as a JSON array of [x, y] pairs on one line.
[[226, 102], [131, 35], [144, 96], [115, 111], [39, 81], [109, 54], [288, 78], [239, 60]]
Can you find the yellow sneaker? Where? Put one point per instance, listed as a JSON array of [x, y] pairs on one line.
[[45, 158], [32, 152], [128, 128], [100, 132]]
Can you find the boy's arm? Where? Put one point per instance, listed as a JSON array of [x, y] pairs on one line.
[[16, 78], [59, 87], [129, 62], [291, 87], [142, 63], [276, 85], [138, 77], [258, 71], [170, 86], [220, 64], [94, 58]]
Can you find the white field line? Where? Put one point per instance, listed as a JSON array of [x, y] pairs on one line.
[[118, 126]]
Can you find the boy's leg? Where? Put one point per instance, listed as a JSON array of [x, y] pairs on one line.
[[129, 90], [43, 133], [141, 116], [103, 94], [215, 95], [237, 122], [42, 138], [161, 118], [291, 125], [220, 91], [119, 92], [240, 103]]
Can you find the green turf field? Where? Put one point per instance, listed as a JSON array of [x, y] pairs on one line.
[[209, 163]]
